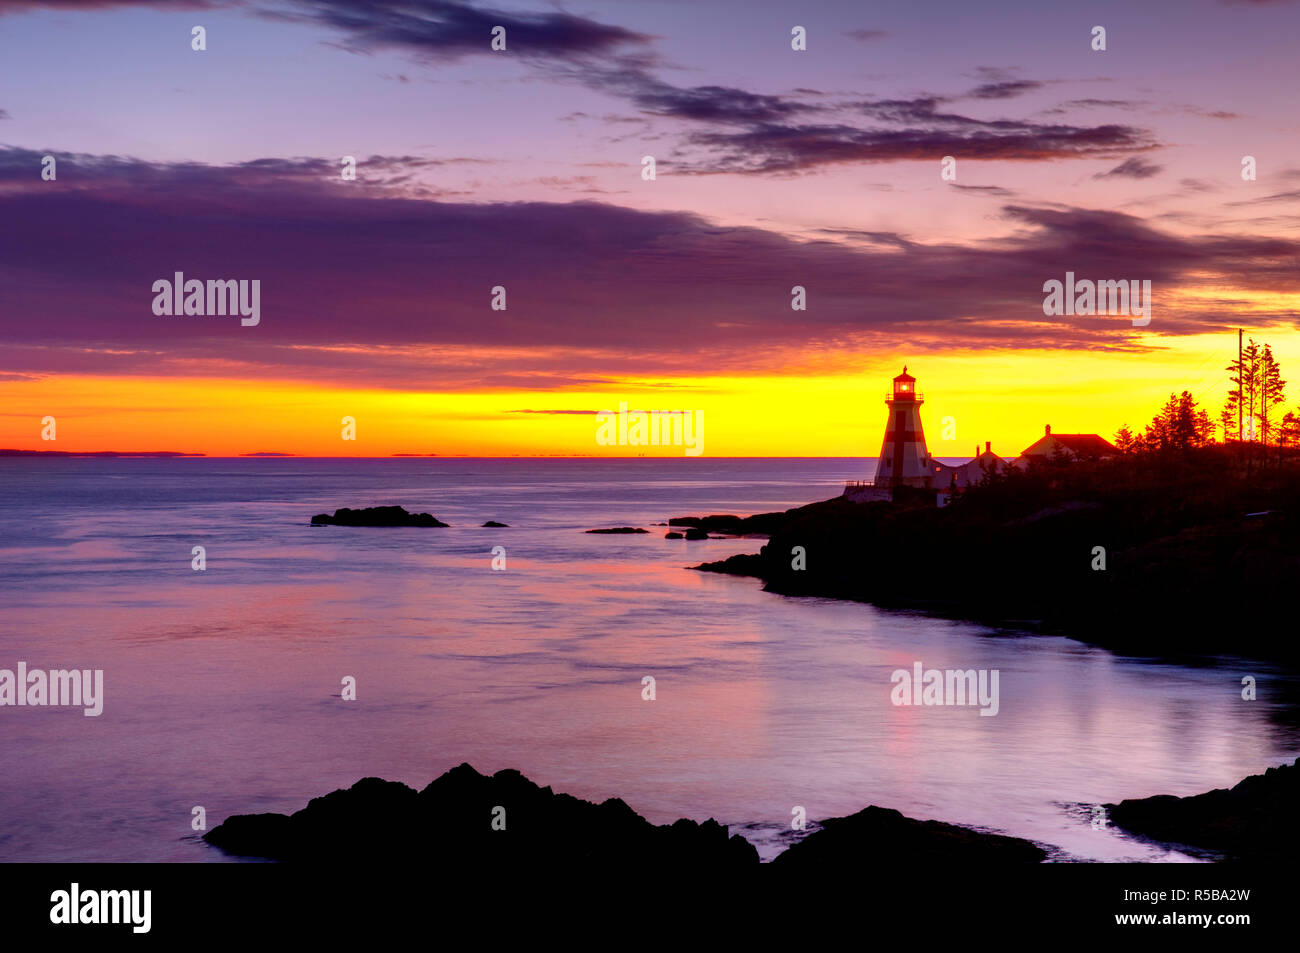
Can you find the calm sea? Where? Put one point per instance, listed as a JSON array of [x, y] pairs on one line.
[[222, 687]]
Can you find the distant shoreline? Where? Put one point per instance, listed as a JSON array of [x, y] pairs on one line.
[[97, 453], [852, 462]]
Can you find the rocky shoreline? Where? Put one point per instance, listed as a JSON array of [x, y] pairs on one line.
[[1125, 554], [466, 820], [1255, 820]]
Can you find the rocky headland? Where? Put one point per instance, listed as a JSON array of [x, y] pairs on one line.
[[1136, 553]]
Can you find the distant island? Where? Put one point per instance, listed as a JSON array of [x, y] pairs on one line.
[[98, 453]]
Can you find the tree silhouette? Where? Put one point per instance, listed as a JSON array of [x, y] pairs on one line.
[[1179, 426], [1271, 391], [1288, 433], [1244, 376]]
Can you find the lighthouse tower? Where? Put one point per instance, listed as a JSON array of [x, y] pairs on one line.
[[904, 460]]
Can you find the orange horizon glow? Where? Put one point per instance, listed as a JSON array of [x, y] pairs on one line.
[[1005, 397]]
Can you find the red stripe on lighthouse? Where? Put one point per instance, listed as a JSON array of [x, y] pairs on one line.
[[900, 437]]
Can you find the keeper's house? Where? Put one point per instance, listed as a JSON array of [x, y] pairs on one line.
[[1075, 446]]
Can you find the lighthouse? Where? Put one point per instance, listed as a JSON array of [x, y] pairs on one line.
[[904, 460]]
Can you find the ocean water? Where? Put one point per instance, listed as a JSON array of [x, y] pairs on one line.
[[222, 687]]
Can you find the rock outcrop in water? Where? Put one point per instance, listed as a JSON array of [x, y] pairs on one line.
[[376, 516], [760, 524], [619, 530], [467, 820], [1256, 819], [453, 824], [883, 838]]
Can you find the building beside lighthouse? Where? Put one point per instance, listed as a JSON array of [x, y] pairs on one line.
[[1073, 446]]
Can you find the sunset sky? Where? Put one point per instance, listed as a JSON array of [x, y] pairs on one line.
[[523, 169]]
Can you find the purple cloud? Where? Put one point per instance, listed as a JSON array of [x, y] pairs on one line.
[[452, 29], [372, 285], [1134, 167], [1004, 89], [23, 6]]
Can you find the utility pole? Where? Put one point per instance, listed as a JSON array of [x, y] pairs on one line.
[[1241, 393]]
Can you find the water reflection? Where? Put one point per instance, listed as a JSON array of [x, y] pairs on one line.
[[221, 686]]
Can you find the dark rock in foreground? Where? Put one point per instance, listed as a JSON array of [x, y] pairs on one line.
[[1254, 820], [495, 525], [672, 535], [376, 516], [879, 838], [449, 826], [620, 529]]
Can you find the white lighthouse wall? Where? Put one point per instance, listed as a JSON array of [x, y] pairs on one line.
[[916, 458]]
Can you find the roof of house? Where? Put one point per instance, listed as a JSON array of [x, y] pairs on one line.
[[1082, 444]]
